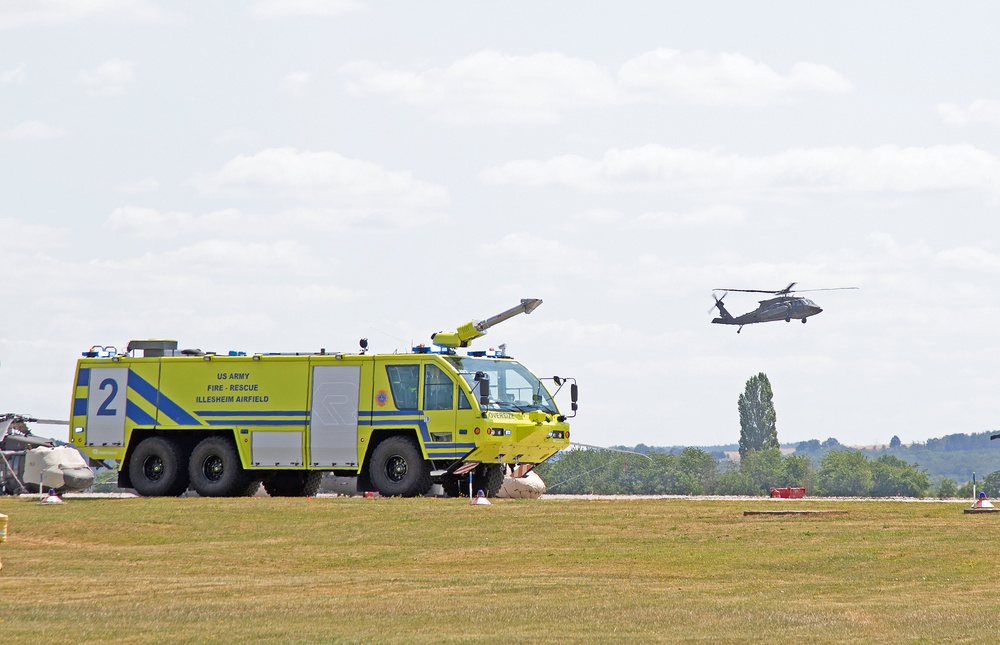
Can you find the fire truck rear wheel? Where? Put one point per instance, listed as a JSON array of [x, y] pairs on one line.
[[216, 470], [252, 487], [296, 483], [156, 468], [398, 469]]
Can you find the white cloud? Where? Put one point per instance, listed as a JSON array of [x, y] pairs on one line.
[[979, 111], [23, 13], [20, 235], [108, 79], [722, 216], [535, 255], [271, 9], [492, 87], [152, 223], [596, 217], [658, 168], [241, 259], [147, 185], [723, 79], [234, 136], [324, 177], [969, 258], [296, 83], [31, 130], [15, 75]]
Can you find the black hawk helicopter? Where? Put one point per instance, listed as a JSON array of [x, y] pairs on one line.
[[784, 306], [32, 464]]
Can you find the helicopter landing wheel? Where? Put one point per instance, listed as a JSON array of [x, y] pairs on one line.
[[804, 320]]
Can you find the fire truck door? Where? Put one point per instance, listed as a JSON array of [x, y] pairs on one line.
[[439, 405]]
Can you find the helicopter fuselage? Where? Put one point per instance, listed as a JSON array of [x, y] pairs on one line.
[[781, 308]]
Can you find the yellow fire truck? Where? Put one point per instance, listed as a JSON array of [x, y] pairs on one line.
[[222, 424]]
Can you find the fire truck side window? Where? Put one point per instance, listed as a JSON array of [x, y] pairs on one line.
[[439, 389], [463, 401], [403, 379]]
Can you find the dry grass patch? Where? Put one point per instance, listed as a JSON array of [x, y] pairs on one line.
[[520, 571]]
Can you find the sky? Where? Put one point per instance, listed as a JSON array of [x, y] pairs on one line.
[[281, 176]]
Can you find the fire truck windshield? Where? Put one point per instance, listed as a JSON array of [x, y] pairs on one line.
[[512, 386]]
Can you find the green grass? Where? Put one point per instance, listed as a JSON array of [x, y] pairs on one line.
[[520, 571]]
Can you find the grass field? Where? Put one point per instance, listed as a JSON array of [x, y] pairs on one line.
[[520, 571]]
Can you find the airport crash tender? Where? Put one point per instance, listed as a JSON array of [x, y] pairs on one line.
[[223, 424]]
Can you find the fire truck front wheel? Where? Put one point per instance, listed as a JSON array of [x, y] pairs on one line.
[[398, 469], [156, 468], [216, 470], [488, 478]]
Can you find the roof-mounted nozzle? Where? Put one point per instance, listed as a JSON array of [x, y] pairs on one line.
[[476, 328]]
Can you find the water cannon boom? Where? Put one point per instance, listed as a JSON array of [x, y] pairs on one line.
[[476, 328]]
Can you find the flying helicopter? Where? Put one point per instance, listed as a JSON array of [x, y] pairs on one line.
[[33, 464], [784, 306]]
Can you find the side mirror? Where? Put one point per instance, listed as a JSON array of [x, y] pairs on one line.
[[574, 394], [484, 388], [558, 381]]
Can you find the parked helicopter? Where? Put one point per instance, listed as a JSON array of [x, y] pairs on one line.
[[33, 464], [784, 306]]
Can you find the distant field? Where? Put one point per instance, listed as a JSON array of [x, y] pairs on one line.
[[360, 570]]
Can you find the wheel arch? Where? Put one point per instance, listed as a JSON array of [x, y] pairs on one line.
[[377, 437]]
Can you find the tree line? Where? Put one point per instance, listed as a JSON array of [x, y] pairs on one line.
[[840, 472]]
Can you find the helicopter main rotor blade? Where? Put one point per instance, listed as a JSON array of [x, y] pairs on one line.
[[830, 289], [749, 290], [787, 290]]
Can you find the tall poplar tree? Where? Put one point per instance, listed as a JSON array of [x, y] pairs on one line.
[[757, 417]]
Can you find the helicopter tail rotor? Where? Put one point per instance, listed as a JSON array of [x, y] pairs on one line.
[[725, 315]]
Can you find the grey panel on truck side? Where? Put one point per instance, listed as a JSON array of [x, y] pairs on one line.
[[333, 419]]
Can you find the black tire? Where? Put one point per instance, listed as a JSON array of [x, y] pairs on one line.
[[157, 468], [215, 469], [455, 485], [488, 478], [294, 483], [399, 470], [251, 488]]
